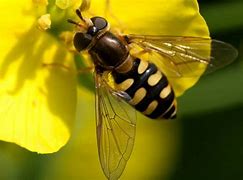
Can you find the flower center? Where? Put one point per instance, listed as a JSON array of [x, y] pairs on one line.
[[52, 18]]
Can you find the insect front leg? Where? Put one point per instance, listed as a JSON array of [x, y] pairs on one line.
[[84, 70], [56, 65]]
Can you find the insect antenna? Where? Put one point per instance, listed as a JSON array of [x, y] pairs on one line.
[[78, 12], [73, 22], [83, 24]]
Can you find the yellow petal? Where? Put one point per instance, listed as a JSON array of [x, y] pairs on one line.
[[40, 2], [156, 17], [37, 102], [174, 17]]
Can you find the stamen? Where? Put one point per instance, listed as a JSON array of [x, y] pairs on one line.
[[44, 22], [85, 5]]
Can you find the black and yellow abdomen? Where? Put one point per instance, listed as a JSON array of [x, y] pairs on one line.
[[149, 89]]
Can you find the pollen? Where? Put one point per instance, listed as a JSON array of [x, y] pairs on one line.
[[44, 22]]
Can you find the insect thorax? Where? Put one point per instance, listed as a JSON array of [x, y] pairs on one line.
[[109, 51]]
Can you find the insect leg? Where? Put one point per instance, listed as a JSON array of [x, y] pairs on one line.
[[56, 65], [85, 70]]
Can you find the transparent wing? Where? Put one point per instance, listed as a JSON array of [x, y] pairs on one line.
[[116, 127], [185, 56]]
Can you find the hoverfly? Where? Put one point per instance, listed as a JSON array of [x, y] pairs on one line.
[[138, 83]]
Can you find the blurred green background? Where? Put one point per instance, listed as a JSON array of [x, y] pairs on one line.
[[204, 143], [212, 121]]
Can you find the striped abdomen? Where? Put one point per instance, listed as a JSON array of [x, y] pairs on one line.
[[149, 89]]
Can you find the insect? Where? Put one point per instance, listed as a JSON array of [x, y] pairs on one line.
[[138, 83]]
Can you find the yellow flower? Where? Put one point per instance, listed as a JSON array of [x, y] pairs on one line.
[[38, 101]]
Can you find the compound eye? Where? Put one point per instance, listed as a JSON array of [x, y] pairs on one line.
[[99, 22], [81, 41], [92, 30]]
